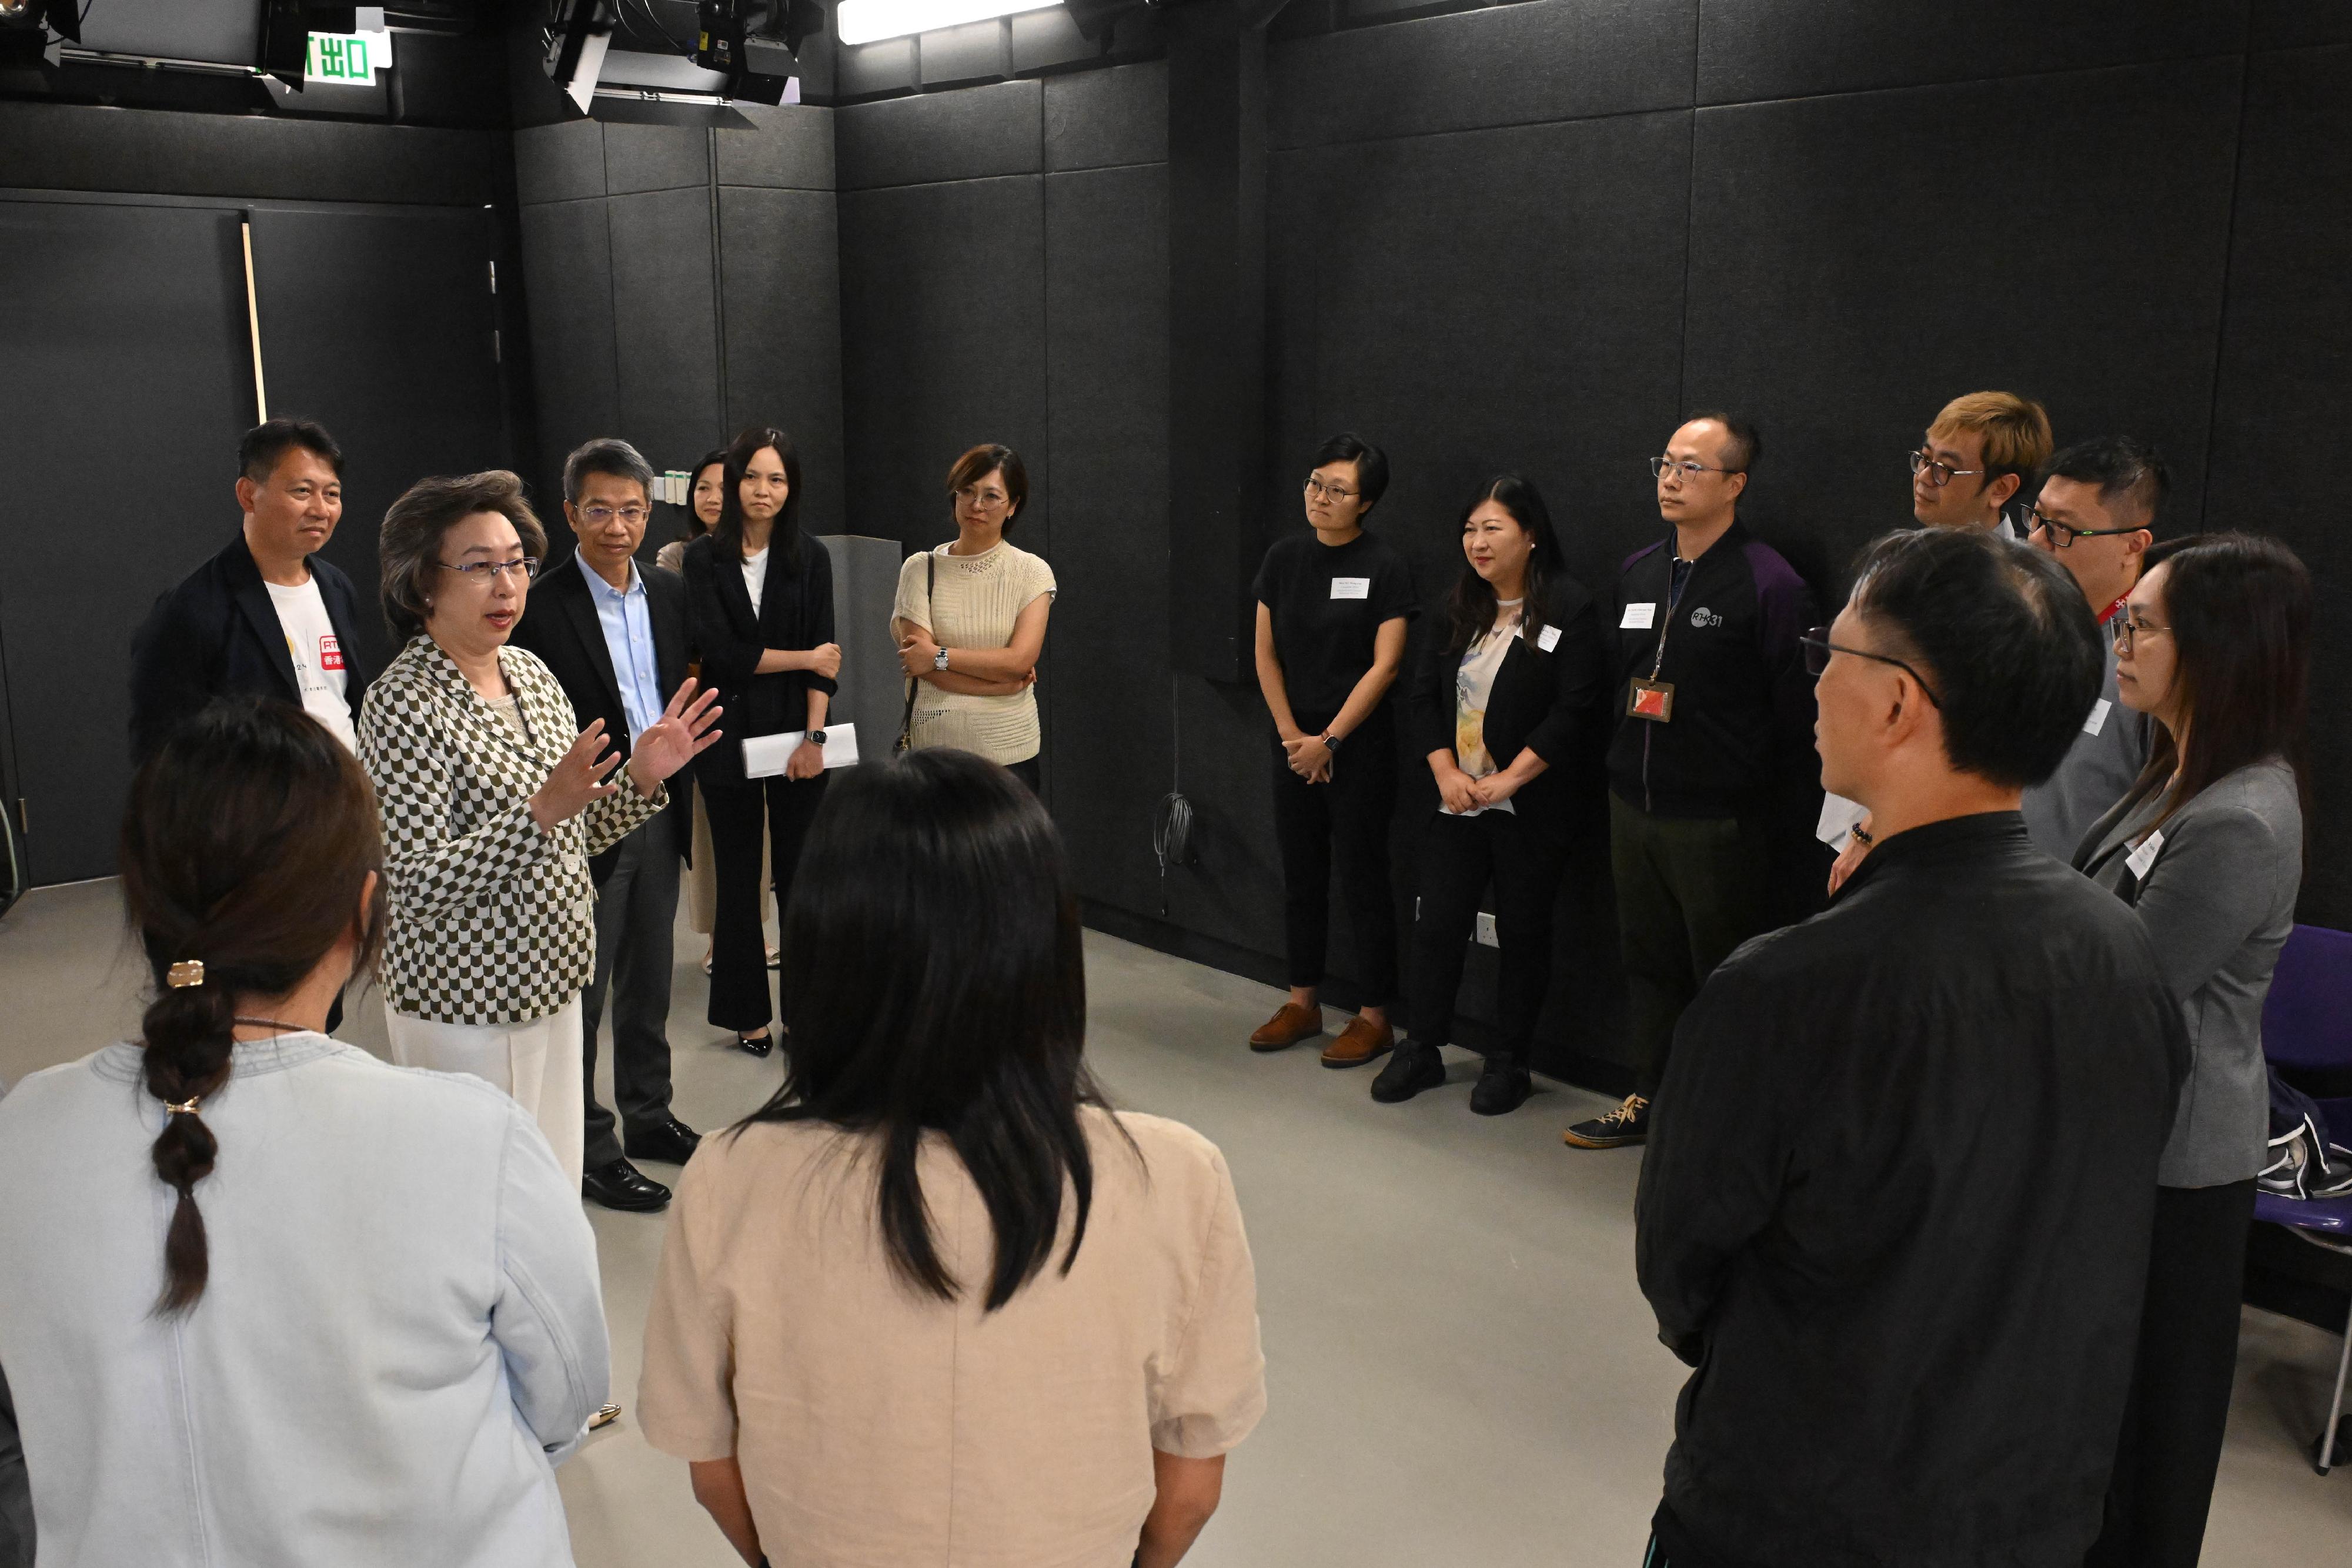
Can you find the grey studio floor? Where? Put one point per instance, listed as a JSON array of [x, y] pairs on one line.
[[1462, 1370]]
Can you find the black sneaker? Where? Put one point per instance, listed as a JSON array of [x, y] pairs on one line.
[[1629, 1123], [1503, 1086], [1411, 1067]]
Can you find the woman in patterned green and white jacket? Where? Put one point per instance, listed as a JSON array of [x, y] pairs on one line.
[[493, 802]]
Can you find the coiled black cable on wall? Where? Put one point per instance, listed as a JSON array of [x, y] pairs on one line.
[[1171, 824]]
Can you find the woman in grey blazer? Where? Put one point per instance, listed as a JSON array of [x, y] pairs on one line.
[[2208, 847], [265, 1299]]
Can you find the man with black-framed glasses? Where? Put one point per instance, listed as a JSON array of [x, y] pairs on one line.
[[2096, 514], [1712, 705], [1975, 458], [612, 631], [1899, 1184]]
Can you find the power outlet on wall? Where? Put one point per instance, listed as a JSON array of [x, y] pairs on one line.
[[1487, 930]]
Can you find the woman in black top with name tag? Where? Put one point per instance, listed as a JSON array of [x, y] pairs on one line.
[[1499, 706], [759, 607], [1331, 612]]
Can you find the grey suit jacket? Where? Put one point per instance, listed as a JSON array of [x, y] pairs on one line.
[[2218, 900]]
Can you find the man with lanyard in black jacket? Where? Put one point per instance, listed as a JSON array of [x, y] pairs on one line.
[[1714, 711], [1897, 1200]]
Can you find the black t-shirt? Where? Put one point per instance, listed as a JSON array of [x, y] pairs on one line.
[[1328, 603]]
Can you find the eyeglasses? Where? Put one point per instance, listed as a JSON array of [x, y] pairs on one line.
[[488, 571], [1938, 474], [1661, 466], [2063, 534], [1818, 649], [984, 499], [1329, 492], [2127, 628], [631, 515]]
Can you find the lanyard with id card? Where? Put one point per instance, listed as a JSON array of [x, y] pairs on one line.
[[1647, 697]]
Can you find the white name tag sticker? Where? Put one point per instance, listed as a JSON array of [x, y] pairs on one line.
[[2098, 720], [1639, 618], [2144, 857], [1351, 587], [1547, 638]]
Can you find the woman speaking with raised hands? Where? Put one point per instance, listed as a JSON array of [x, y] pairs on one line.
[[265, 1299], [494, 801]]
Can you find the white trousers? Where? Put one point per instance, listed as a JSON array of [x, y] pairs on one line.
[[537, 1063]]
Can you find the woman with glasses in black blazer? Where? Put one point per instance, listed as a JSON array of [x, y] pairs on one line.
[[759, 606], [1500, 706]]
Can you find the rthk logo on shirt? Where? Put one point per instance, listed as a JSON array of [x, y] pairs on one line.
[[331, 653]]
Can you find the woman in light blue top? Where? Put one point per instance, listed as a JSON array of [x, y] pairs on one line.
[[265, 1301]]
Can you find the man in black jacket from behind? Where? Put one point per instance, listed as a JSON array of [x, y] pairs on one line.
[[613, 632], [268, 616], [1897, 1200]]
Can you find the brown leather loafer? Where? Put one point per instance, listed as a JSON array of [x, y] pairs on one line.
[[1358, 1044], [1289, 1025]]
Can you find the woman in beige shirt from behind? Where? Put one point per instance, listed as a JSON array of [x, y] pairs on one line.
[[935, 1302], [970, 621]]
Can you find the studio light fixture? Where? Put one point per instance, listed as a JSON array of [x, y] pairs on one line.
[[868, 21]]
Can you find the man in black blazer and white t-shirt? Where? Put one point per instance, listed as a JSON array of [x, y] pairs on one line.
[[266, 617], [613, 632]]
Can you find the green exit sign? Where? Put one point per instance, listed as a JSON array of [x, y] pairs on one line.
[[350, 58]]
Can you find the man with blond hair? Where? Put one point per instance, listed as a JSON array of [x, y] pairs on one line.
[[1978, 453]]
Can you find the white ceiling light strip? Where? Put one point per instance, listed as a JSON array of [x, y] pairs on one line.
[[870, 21]]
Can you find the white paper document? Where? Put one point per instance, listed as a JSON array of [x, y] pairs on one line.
[[1840, 817], [764, 755]]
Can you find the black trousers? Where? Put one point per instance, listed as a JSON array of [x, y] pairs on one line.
[[739, 954], [636, 914], [1689, 890], [1346, 818], [2180, 1405], [1459, 856], [1026, 771]]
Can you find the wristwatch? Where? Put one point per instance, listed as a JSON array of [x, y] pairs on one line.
[[816, 738], [1331, 742], [939, 660]]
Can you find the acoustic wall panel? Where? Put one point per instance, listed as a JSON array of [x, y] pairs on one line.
[[942, 322], [73, 147], [965, 135], [131, 319], [665, 325], [1547, 59], [1845, 281], [2284, 399], [656, 157], [1104, 119], [1501, 300], [560, 162], [1105, 682], [344, 287], [568, 284], [1750, 50], [789, 147], [780, 264]]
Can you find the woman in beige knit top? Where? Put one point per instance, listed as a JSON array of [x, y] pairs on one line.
[[970, 621]]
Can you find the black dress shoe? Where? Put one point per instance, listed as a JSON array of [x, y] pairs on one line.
[[1503, 1086], [1411, 1067], [758, 1045], [622, 1186], [669, 1140]]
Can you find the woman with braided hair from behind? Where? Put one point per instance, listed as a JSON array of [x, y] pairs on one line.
[[263, 1299]]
